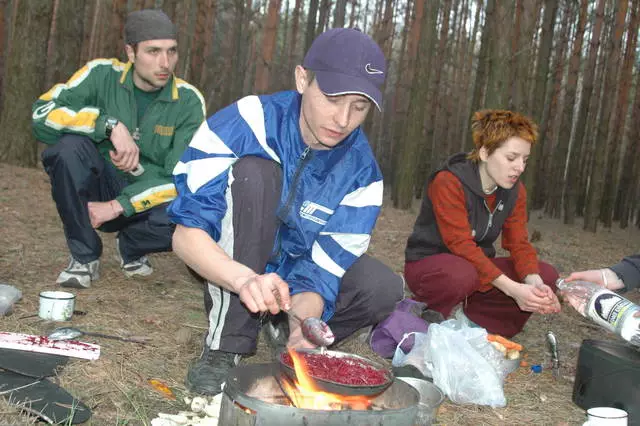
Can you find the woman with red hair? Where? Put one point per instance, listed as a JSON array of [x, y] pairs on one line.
[[471, 200]]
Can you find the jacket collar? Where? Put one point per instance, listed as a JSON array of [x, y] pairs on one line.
[[169, 93]]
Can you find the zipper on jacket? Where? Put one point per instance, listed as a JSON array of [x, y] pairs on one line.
[[304, 159], [491, 213]]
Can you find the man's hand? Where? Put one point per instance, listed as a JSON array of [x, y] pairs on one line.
[[597, 276], [297, 340], [126, 154], [101, 212], [260, 293]]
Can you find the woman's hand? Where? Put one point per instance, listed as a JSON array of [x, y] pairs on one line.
[[536, 298]]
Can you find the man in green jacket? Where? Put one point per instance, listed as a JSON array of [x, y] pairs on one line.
[[116, 131]]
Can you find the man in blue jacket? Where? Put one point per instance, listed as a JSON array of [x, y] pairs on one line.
[[277, 199]]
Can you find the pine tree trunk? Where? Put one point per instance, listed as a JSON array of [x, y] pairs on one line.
[[499, 76], [265, 58], [565, 146], [67, 42], [413, 141], [323, 18], [427, 104], [354, 14], [523, 58], [468, 103], [119, 14], [208, 62], [580, 138], [596, 188], [612, 178], [294, 36], [540, 91], [24, 81], [3, 51], [338, 13], [548, 125], [434, 125], [484, 62], [310, 33], [631, 164]]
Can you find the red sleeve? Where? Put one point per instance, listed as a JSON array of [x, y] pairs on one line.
[[450, 210], [515, 237]]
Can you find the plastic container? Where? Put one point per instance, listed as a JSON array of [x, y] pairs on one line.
[[604, 307]]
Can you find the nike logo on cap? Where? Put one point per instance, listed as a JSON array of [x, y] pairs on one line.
[[369, 69]]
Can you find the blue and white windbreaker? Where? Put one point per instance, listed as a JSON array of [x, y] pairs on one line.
[[329, 203]]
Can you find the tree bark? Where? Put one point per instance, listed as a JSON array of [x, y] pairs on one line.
[[574, 175], [630, 175], [265, 59], [596, 188], [427, 104], [310, 33], [66, 43], [540, 91], [547, 127], [413, 141], [24, 80], [612, 178], [565, 145], [484, 58], [293, 60], [499, 76], [339, 13]]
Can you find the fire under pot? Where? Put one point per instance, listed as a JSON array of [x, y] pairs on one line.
[[254, 396]]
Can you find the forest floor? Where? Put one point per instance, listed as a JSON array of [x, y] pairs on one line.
[[167, 309]]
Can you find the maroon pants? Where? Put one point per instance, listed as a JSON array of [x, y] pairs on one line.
[[444, 280]]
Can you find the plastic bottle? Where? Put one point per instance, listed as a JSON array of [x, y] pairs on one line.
[[604, 307]]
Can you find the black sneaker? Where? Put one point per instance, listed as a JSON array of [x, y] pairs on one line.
[[207, 373]]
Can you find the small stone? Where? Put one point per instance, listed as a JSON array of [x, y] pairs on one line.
[[183, 336], [198, 404]]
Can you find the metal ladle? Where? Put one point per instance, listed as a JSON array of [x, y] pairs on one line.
[[68, 333], [313, 329]]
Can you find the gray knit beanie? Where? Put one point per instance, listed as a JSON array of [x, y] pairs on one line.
[[148, 24]]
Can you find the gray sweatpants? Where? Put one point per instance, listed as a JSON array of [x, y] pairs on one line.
[[368, 292]]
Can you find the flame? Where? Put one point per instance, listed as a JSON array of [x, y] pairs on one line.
[[305, 392]]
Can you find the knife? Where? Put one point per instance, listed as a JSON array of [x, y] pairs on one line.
[[553, 346]]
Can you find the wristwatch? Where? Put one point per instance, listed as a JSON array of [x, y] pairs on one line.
[[109, 125]]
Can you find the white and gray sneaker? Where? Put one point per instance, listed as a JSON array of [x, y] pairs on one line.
[[139, 267], [79, 275]]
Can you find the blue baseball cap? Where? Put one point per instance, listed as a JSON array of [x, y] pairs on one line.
[[347, 61]]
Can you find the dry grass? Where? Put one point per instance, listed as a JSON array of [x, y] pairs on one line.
[[167, 308]]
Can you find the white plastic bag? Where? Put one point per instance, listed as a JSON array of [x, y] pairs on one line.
[[418, 355], [8, 296], [461, 361]]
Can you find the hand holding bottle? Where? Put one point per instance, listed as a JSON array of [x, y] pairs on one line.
[[604, 307]]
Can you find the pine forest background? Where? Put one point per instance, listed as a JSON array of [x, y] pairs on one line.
[[572, 65]]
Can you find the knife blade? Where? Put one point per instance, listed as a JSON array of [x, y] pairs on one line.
[[555, 360]]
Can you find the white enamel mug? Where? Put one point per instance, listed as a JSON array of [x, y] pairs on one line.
[[56, 305], [606, 416]]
